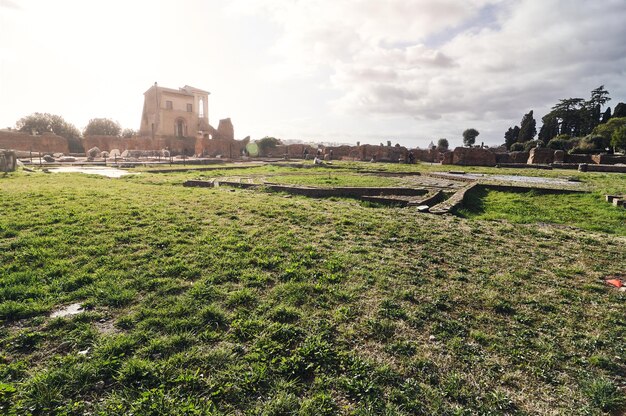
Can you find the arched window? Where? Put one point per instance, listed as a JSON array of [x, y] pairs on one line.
[[180, 128]]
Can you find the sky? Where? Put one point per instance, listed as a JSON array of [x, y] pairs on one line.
[[409, 71]]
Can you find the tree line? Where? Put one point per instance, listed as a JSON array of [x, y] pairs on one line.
[[575, 125], [40, 123]]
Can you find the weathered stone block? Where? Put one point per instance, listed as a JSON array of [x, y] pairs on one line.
[[541, 156], [8, 161]]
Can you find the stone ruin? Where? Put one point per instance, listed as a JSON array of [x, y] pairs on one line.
[[8, 161]]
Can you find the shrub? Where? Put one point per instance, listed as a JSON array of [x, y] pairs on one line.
[[563, 142], [582, 150], [595, 142], [530, 145], [517, 147]]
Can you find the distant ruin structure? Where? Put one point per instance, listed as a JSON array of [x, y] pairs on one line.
[[179, 113], [176, 120]]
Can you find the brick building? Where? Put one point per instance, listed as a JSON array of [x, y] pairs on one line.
[[168, 112]]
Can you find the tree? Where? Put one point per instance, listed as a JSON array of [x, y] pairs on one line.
[[267, 143], [443, 145], [528, 128], [575, 116], [560, 142], [469, 137], [40, 123], [618, 138], [549, 129], [102, 127], [128, 133], [606, 116], [599, 96], [510, 136], [571, 114], [620, 110], [607, 129]]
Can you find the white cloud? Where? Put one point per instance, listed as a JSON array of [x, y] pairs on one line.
[[9, 4], [499, 59], [406, 70]]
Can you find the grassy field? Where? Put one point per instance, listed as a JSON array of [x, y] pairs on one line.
[[216, 301]]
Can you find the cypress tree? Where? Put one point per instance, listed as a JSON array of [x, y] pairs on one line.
[[528, 128]]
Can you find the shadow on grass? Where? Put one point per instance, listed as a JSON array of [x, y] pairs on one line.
[[473, 204]]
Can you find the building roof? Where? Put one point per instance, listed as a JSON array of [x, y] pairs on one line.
[[194, 89], [186, 90]]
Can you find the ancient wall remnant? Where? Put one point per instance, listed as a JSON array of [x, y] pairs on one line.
[[473, 156], [540, 156], [605, 159], [176, 145], [8, 161], [225, 130], [232, 149], [46, 143]]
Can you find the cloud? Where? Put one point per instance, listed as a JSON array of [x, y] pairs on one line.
[[495, 59], [8, 4]]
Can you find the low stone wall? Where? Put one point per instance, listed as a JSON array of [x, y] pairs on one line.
[[46, 143], [605, 159], [512, 157], [176, 145], [584, 167], [295, 151], [473, 156], [577, 158], [347, 192]]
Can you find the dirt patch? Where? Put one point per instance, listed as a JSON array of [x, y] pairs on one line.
[[69, 310], [100, 170]]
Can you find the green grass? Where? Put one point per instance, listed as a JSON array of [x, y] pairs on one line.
[[220, 301], [586, 211], [335, 178]]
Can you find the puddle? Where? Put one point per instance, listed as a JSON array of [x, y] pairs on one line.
[[511, 178], [69, 310], [93, 170]]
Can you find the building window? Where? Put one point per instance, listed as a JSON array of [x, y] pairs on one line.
[[180, 129], [201, 108], [168, 105], [189, 108]]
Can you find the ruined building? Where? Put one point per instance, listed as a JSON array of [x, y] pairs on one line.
[[176, 120], [180, 113]]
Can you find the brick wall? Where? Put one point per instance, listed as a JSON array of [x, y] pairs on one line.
[[47, 143], [604, 159], [176, 145], [474, 156], [540, 156], [232, 149]]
